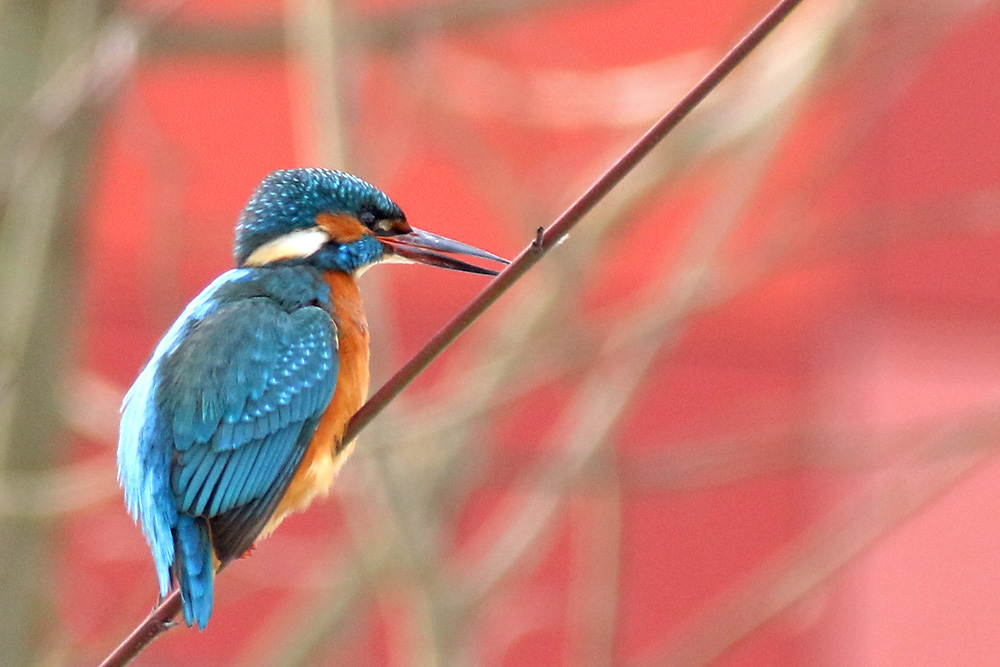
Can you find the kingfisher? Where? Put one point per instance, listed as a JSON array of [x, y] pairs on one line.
[[237, 419]]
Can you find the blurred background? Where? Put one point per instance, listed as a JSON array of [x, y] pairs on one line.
[[745, 415]]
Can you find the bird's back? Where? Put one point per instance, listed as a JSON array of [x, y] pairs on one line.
[[221, 418]]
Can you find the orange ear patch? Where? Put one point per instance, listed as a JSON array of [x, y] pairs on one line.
[[341, 228]]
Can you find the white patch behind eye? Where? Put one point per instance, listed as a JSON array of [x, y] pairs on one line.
[[293, 245]]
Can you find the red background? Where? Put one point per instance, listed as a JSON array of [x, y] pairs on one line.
[[808, 388]]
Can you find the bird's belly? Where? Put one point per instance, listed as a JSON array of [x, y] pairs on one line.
[[325, 454]]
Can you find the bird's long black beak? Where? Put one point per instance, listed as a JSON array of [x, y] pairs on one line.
[[426, 248]]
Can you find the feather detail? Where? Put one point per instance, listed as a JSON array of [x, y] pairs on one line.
[[218, 422], [326, 453], [195, 569]]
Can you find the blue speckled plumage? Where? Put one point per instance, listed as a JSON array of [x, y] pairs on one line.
[[221, 416], [220, 423], [290, 199]]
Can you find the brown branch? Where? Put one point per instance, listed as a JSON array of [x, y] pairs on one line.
[[159, 620], [558, 230]]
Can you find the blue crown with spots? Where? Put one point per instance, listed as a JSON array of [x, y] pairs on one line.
[[291, 199]]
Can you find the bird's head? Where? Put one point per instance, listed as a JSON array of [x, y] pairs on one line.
[[337, 222]]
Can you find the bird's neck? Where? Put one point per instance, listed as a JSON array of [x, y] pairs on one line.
[[352, 342], [348, 308]]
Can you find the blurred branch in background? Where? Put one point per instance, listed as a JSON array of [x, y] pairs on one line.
[[425, 461], [40, 195], [439, 639], [314, 51], [83, 73], [447, 428], [933, 467], [396, 30], [431, 465]]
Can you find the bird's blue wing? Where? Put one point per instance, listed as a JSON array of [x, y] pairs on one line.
[[241, 396], [218, 421]]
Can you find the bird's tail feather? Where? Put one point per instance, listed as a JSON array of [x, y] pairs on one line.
[[194, 568]]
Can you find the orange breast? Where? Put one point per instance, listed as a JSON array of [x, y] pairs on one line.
[[326, 453]]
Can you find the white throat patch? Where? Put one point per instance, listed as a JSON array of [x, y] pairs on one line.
[[293, 245]]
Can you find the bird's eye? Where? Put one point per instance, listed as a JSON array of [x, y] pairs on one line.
[[384, 226], [367, 218]]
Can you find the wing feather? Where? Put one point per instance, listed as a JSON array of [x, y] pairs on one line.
[[242, 393], [216, 424]]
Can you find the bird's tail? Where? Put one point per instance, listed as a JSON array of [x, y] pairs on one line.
[[194, 569]]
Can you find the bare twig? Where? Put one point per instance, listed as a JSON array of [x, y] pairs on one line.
[[595, 571], [517, 349], [565, 222], [159, 620], [607, 392]]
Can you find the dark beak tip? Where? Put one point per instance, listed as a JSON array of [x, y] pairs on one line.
[[426, 248]]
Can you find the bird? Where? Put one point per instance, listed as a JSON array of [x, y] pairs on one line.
[[236, 421]]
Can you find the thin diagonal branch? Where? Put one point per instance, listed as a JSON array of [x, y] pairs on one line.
[[389, 31], [557, 231], [159, 620]]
